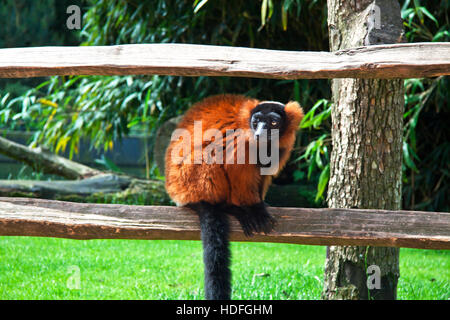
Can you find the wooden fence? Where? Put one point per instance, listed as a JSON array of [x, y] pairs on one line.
[[413, 60], [48, 218]]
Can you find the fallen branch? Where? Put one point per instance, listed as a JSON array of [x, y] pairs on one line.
[[45, 161], [46, 218]]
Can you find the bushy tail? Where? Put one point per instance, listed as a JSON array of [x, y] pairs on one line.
[[215, 230]]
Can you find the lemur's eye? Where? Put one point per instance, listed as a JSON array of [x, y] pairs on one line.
[[274, 123]]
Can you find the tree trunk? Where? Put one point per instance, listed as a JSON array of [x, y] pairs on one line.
[[366, 159]]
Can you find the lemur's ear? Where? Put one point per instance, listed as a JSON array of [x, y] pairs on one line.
[[294, 113]]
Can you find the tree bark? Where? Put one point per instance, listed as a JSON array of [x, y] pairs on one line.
[[366, 159]]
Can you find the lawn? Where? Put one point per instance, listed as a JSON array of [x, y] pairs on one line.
[[46, 268]]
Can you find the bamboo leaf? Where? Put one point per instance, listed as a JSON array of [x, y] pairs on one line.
[[323, 181], [263, 13], [199, 5], [284, 18], [406, 156], [429, 15]]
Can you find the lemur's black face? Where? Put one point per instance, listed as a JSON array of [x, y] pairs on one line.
[[266, 116]]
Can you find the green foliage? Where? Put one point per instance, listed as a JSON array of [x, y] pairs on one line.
[[107, 164], [426, 148], [99, 108], [29, 23], [423, 25], [316, 155]]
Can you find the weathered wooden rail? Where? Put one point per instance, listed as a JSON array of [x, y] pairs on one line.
[[411, 60], [50, 218]]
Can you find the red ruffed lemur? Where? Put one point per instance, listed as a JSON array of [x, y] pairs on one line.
[[214, 189]]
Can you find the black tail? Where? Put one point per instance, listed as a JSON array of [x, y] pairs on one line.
[[215, 230]]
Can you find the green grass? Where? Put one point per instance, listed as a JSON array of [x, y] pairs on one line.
[[40, 268]]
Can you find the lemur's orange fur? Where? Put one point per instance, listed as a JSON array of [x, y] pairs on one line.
[[237, 184]]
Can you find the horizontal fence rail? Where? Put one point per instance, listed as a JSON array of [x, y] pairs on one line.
[[412, 60], [50, 218]]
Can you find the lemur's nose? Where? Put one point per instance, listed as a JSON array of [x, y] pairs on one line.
[[259, 129]]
